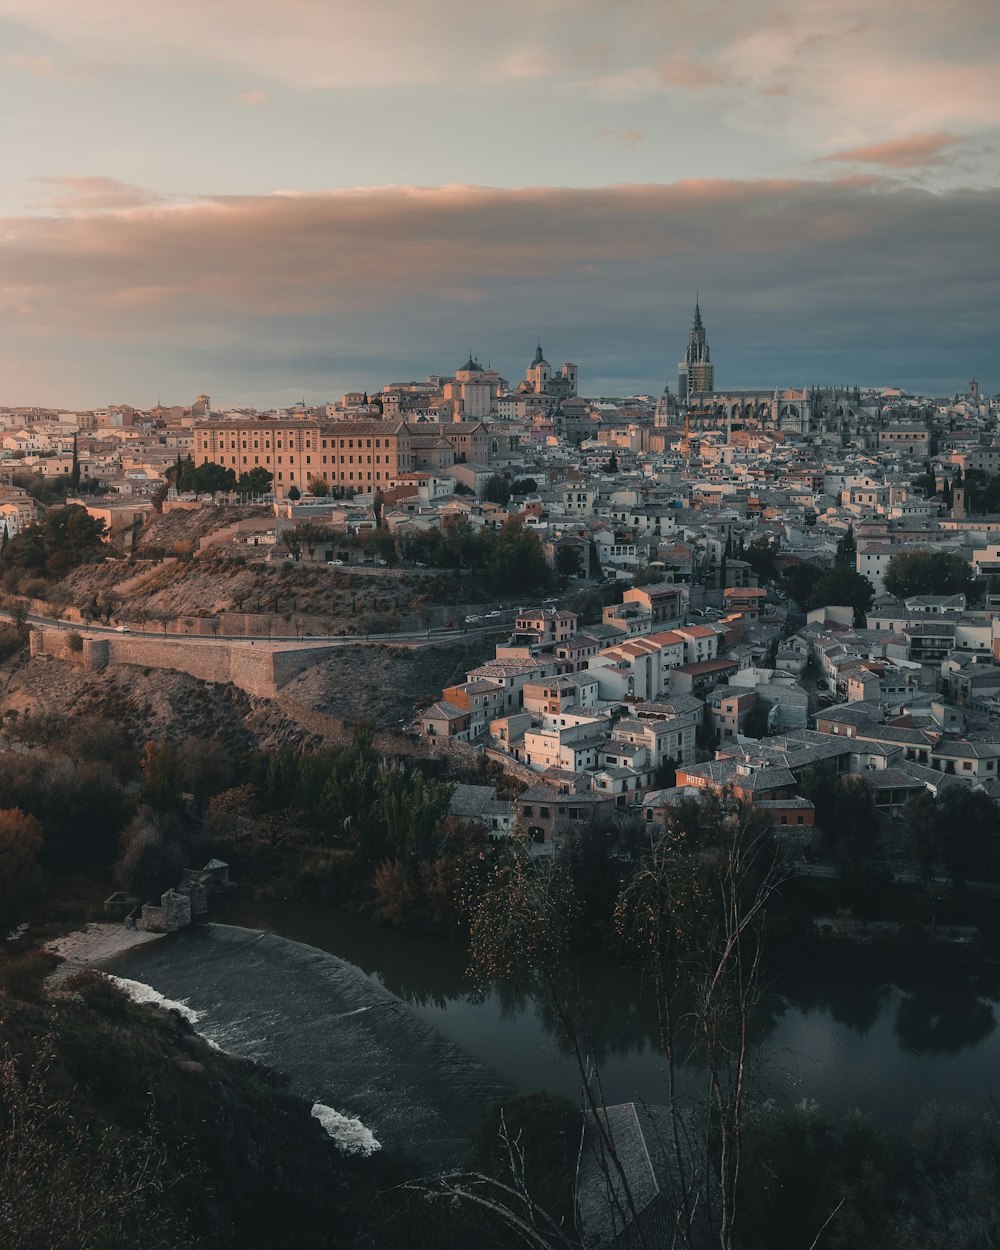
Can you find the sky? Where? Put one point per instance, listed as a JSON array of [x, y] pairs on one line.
[[270, 200]]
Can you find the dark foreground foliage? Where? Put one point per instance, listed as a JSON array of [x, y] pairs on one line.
[[120, 1126]]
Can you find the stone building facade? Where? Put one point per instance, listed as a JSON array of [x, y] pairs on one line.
[[359, 457]]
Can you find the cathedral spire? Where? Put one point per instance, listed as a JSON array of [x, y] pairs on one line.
[[695, 372]]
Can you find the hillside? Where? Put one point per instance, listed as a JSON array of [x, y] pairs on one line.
[[378, 683], [152, 704], [384, 684], [313, 598], [180, 530], [120, 1126]]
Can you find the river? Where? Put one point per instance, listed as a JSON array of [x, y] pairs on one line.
[[383, 1025]]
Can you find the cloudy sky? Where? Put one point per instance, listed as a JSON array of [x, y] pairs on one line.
[[275, 199]]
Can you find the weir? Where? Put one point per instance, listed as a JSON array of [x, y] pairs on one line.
[[342, 1039]]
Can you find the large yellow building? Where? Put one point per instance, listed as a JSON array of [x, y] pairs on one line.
[[359, 456]]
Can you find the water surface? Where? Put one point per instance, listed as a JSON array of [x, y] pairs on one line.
[[384, 1025]]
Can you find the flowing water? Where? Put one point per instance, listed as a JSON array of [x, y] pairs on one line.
[[342, 1038], [383, 1026]]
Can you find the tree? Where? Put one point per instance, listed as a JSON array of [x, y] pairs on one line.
[[568, 561], [843, 588], [68, 1181], [497, 489], [811, 1181], [847, 548], [756, 724], [696, 922], [800, 580], [612, 465], [926, 482], [845, 810], [204, 479], [698, 926], [967, 823], [204, 768], [293, 493], [312, 535], [516, 561], [384, 546], [856, 821], [318, 487], [541, 1129], [524, 486], [74, 476], [760, 555], [928, 573], [293, 541], [920, 820], [160, 786], [255, 482], [20, 861], [67, 537], [152, 857]]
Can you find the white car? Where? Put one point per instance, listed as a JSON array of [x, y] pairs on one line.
[[472, 620], [331, 563], [492, 616], [121, 629]]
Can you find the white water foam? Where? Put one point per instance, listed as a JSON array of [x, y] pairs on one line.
[[349, 1133], [140, 993]]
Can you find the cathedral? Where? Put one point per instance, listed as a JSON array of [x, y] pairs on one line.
[[540, 378], [795, 410], [695, 373]]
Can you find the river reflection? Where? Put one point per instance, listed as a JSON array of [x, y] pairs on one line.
[[861, 1041]]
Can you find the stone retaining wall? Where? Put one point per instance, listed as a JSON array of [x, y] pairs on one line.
[[259, 670]]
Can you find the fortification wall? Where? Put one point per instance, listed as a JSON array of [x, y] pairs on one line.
[[258, 669], [59, 643], [207, 663]]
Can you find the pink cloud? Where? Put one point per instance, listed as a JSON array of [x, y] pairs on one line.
[[129, 267], [42, 67], [252, 99], [91, 192], [264, 291], [627, 138], [912, 152], [691, 75], [822, 74]]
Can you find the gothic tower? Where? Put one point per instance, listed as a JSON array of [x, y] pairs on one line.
[[695, 372]]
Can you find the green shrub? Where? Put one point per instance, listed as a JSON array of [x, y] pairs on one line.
[[23, 975]]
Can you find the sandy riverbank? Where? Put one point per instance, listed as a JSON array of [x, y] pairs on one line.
[[93, 945]]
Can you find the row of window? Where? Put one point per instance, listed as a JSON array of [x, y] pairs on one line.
[[291, 446], [332, 460], [545, 812]]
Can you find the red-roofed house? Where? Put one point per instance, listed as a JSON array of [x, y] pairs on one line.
[[746, 599]]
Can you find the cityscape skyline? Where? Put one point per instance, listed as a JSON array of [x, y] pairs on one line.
[[225, 198]]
